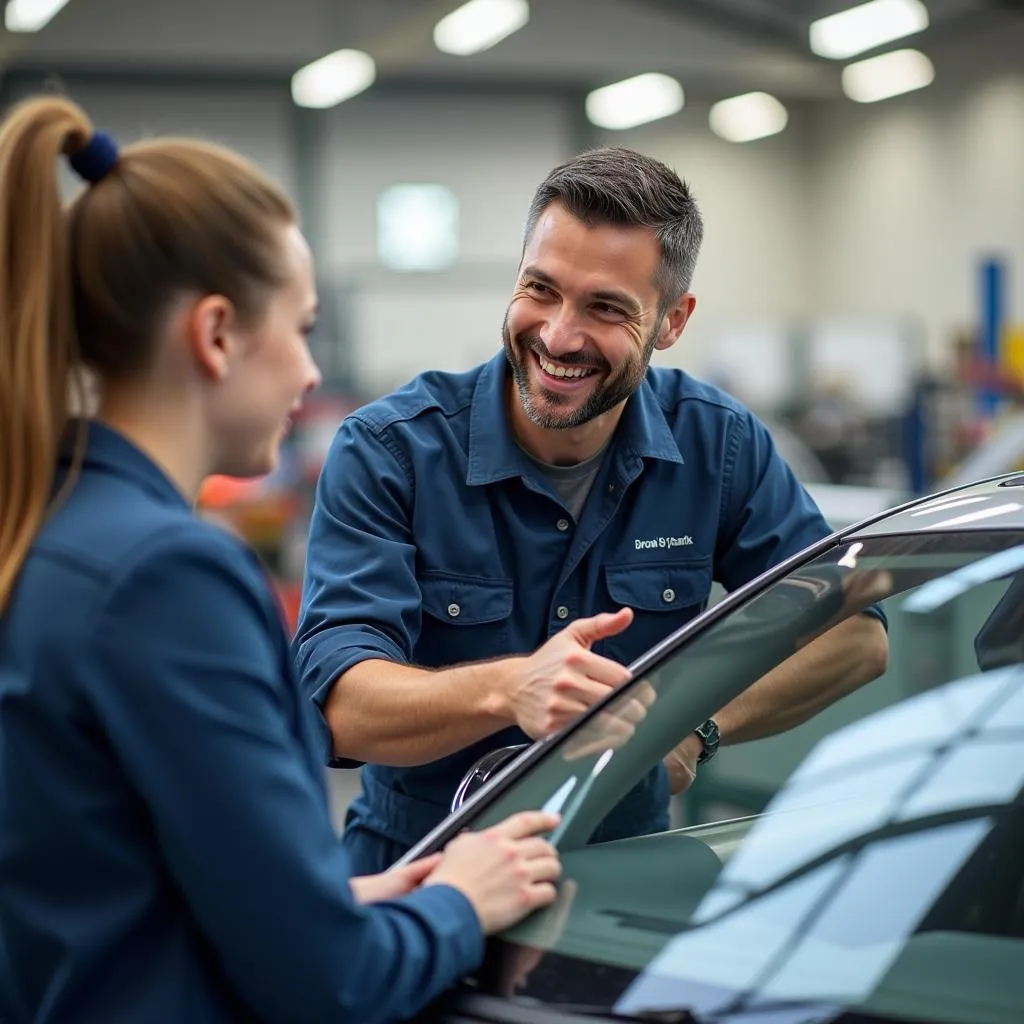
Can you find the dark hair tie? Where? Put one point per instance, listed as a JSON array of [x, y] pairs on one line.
[[97, 159]]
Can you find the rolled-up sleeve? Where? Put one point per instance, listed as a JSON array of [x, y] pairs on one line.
[[360, 597], [767, 515]]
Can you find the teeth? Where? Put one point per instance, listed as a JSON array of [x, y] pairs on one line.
[[563, 371]]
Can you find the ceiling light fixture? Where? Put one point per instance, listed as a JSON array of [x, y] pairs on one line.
[[479, 25], [634, 101], [891, 74], [754, 115], [863, 28], [332, 79], [30, 15]]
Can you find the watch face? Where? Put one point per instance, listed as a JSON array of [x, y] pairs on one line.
[[708, 732]]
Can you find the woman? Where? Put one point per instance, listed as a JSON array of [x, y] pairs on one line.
[[166, 851]]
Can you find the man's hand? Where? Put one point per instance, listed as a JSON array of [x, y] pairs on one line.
[[392, 884], [614, 726], [681, 764], [563, 678]]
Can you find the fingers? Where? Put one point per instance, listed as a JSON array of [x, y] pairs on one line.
[[581, 690], [542, 894], [645, 693], [589, 631], [535, 848], [525, 824], [543, 869], [418, 870], [595, 667], [630, 711]]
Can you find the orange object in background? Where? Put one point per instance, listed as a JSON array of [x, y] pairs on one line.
[[219, 492], [290, 596]]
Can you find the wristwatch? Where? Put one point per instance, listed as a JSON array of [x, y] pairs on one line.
[[708, 733]]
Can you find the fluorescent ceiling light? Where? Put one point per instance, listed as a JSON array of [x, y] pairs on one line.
[[867, 26], [891, 74], [754, 115], [30, 15], [479, 24], [330, 80], [634, 101]]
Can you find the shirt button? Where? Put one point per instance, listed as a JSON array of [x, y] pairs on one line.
[[668, 595], [562, 612], [454, 610], [563, 524]]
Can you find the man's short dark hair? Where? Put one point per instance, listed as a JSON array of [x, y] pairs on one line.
[[619, 186]]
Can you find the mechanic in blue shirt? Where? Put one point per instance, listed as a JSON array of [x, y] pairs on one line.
[[489, 549], [166, 848]]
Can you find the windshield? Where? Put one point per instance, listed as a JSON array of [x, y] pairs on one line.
[[871, 857]]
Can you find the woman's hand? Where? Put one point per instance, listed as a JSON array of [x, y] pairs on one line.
[[394, 883]]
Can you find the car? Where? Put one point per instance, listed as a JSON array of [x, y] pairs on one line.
[[866, 864]]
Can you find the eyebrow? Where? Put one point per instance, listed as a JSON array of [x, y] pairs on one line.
[[619, 298]]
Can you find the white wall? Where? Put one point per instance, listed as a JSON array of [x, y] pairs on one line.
[[492, 153], [255, 121], [910, 194]]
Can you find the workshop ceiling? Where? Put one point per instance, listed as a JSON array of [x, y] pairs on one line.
[[713, 46]]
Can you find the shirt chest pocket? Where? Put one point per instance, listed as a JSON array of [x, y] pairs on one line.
[[663, 596], [465, 618]]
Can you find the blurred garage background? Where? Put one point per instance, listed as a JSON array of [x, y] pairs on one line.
[[859, 169]]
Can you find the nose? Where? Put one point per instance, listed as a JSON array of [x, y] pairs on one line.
[[561, 333], [314, 378]]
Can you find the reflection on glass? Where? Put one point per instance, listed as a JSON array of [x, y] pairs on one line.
[[921, 723], [973, 775], [734, 952], [844, 951], [822, 818], [944, 589]]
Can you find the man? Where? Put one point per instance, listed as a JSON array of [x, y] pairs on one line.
[[489, 549]]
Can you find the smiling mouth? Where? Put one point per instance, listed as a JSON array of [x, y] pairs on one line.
[[564, 372]]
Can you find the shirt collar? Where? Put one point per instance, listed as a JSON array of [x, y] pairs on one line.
[[494, 454], [643, 428], [108, 451]]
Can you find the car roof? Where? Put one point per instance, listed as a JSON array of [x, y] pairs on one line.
[[994, 504]]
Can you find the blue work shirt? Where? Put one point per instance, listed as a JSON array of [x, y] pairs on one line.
[[166, 849], [436, 541]]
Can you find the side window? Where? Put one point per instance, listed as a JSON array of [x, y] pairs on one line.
[[937, 633]]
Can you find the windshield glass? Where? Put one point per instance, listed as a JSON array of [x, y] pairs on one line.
[[869, 857]]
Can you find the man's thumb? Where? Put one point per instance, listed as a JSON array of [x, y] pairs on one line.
[[597, 627]]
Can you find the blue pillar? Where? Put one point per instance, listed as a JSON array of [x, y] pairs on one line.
[[991, 327]]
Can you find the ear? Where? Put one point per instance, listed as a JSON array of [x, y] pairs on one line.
[[210, 328], [674, 321]]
